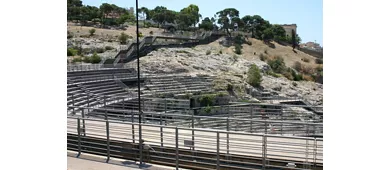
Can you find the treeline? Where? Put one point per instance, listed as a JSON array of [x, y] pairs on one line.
[[106, 14], [187, 17]]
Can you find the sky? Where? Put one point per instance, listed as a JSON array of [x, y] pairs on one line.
[[307, 14]]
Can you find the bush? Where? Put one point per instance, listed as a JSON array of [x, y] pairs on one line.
[[76, 60], [307, 70], [277, 64], [69, 35], [271, 73], [99, 50], [92, 31], [238, 49], [208, 52], [220, 51], [263, 57], [123, 38], [87, 59], [306, 60], [294, 84], [319, 61], [249, 42], [140, 34], [109, 40], [71, 52], [229, 87], [254, 76], [207, 99], [95, 58], [208, 109], [297, 66], [151, 32], [265, 51], [297, 76], [109, 48], [308, 78]]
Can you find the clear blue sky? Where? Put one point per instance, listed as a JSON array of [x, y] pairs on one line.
[[307, 14]]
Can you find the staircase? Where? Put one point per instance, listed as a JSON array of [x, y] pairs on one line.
[[129, 53]]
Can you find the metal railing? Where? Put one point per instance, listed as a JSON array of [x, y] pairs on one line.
[[192, 147], [172, 117]]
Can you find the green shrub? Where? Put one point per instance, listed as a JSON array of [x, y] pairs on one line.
[[151, 32], [277, 64], [263, 57], [78, 59], [220, 51], [306, 60], [265, 51], [238, 49], [319, 61], [87, 59], [110, 40], [208, 109], [140, 34], [123, 38], [208, 52], [92, 31], [71, 52], [254, 76], [95, 58], [207, 99], [229, 87], [99, 50], [109, 48]]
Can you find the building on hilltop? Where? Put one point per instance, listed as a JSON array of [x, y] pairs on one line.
[[288, 28]]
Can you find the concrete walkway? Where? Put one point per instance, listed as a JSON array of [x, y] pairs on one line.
[[93, 162]]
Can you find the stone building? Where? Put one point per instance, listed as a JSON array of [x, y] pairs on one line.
[[288, 28]]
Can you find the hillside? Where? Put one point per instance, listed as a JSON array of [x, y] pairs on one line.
[[229, 67]]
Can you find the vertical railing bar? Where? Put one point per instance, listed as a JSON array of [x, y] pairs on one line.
[[78, 136], [217, 150], [108, 140], [177, 147]]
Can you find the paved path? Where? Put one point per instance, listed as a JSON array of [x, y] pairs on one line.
[[93, 162]]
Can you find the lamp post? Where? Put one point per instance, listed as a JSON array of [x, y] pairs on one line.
[[139, 91]]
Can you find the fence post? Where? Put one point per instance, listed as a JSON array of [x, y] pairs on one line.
[[177, 147], [78, 136], [82, 115], [108, 140], [251, 113], [217, 150], [315, 153], [264, 151], [161, 132], [227, 135], [193, 132]]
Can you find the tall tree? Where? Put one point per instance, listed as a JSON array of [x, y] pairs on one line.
[[206, 24], [225, 16], [105, 8], [279, 33], [158, 14]]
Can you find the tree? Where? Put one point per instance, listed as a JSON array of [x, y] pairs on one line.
[[144, 12], [225, 17], [158, 14], [73, 9], [267, 35], [279, 33], [105, 8], [192, 12], [206, 24], [254, 76]]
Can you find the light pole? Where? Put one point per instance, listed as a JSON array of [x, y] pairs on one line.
[[139, 91]]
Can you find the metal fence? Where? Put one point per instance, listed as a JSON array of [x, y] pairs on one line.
[[191, 147], [188, 119]]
